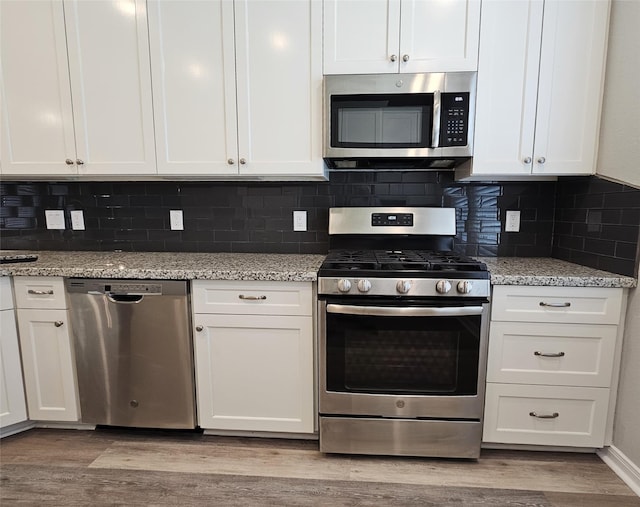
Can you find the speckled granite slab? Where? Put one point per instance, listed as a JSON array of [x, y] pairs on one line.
[[169, 265], [551, 272]]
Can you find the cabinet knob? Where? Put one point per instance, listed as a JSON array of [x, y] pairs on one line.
[[58, 323], [199, 328], [405, 58], [231, 161], [79, 162], [393, 58], [542, 160], [527, 160], [69, 162], [243, 161]]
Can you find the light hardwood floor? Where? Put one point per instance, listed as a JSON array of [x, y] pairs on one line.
[[133, 467]]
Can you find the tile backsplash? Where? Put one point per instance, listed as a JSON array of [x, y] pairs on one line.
[[585, 220], [257, 217], [597, 224]]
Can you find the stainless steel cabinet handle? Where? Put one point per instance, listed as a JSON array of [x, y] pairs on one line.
[[548, 354], [542, 160], [40, 292], [555, 305], [79, 162], [231, 161], [544, 416], [405, 58], [69, 162], [58, 323], [199, 328], [252, 298], [527, 160], [243, 161], [393, 58]]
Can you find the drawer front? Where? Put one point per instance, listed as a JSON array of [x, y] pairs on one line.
[[6, 293], [580, 305], [39, 292], [551, 354], [252, 298], [545, 415]]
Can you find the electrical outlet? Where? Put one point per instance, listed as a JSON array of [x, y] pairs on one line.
[[299, 220], [512, 221], [175, 220], [77, 220], [54, 218]]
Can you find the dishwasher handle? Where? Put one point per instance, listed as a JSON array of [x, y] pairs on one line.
[[125, 299]]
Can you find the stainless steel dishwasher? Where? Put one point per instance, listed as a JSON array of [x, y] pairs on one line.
[[134, 352]]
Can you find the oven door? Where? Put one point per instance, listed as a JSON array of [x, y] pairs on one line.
[[409, 361]]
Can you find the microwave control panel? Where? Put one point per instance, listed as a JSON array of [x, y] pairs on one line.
[[454, 119]]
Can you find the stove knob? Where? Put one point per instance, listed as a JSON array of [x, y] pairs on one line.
[[443, 286], [464, 287], [364, 285], [344, 285], [403, 286]]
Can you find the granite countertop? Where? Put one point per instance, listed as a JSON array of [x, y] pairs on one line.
[[551, 272], [280, 267], [168, 265]]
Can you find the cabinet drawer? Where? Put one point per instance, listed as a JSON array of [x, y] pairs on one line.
[[252, 298], [6, 294], [537, 353], [576, 416], [39, 292], [581, 305]]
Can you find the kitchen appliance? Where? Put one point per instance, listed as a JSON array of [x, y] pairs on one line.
[[402, 335], [382, 121], [134, 352]]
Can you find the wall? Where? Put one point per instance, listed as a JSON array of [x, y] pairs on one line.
[[619, 158], [619, 152], [257, 217]]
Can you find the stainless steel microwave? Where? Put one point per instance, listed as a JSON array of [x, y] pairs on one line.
[[399, 120]]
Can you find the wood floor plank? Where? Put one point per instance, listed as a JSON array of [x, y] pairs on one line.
[[584, 476], [35, 485], [578, 500]]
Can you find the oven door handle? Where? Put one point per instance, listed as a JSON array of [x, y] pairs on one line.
[[405, 311]]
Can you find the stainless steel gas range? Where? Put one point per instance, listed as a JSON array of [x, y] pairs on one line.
[[403, 330]]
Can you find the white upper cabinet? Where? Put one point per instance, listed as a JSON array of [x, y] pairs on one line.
[[76, 88], [237, 87], [390, 36], [540, 81]]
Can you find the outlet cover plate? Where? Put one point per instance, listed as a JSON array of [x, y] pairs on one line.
[[54, 218], [512, 221], [77, 220], [299, 220], [175, 220]]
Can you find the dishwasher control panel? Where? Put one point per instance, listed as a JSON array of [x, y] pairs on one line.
[[132, 289]]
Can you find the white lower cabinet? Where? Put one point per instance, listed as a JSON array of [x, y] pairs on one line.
[[47, 354], [553, 354], [254, 366], [13, 408]]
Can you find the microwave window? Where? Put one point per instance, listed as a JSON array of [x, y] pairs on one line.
[[381, 121]]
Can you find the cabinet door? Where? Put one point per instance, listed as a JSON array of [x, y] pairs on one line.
[[279, 79], [439, 36], [572, 60], [47, 360], [108, 47], [37, 123], [361, 36], [507, 86], [254, 373], [194, 86], [12, 403]]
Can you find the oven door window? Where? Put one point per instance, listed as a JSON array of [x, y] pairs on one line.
[[381, 121], [403, 355]]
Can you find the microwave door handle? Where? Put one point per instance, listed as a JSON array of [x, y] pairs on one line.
[[435, 132], [407, 311]]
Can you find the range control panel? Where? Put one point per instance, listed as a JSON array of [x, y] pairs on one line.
[[397, 219], [454, 119]]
